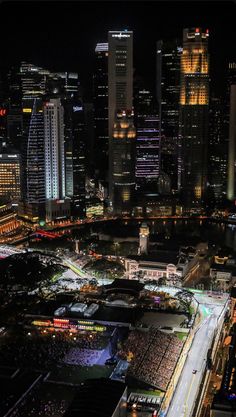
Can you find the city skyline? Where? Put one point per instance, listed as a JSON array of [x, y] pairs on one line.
[[74, 33]]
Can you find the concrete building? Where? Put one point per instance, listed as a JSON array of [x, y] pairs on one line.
[[120, 115], [168, 265]]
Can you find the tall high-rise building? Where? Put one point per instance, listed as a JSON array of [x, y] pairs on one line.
[[10, 176], [231, 187], [147, 142], [167, 92], [194, 101], [123, 170], [121, 127], [33, 183], [57, 206], [230, 80], [217, 160], [14, 111], [100, 84], [75, 154], [33, 82], [66, 86]]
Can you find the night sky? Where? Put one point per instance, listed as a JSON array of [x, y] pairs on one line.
[[62, 35]]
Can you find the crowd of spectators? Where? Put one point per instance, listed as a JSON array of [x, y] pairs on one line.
[[35, 351], [154, 356], [49, 408], [83, 357], [44, 351]]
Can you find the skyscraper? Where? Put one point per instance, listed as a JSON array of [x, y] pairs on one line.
[[66, 85], [217, 161], [147, 142], [10, 176], [123, 169], [168, 90], [57, 206], [75, 154], [229, 102], [121, 127], [33, 81], [194, 101], [231, 188], [100, 84]]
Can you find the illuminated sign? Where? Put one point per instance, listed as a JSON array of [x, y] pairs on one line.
[[41, 323], [77, 108], [120, 35], [3, 112], [27, 110], [61, 323], [85, 322]]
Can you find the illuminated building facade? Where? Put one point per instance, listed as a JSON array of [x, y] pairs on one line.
[[193, 126], [121, 127], [168, 56], [57, 206], [10, 177], [32, 88], [143, 239], [100, 82], [94, 208], [231, 186], [32, 152], [123, 169], [147, 142]]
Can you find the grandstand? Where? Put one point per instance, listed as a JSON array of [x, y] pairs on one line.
[[155, 355]]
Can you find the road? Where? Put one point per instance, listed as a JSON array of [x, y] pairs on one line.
[[187, 388]]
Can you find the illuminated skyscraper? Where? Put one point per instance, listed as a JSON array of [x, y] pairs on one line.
[[194, 101], [57, 207], [33, 84], [168, 90], [32, 152], [123, 163], [121, 128], [10, 176], [147, 142], [100, 82]]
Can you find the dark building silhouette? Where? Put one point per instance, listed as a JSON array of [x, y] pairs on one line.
[[167, 91], [100, 84]]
